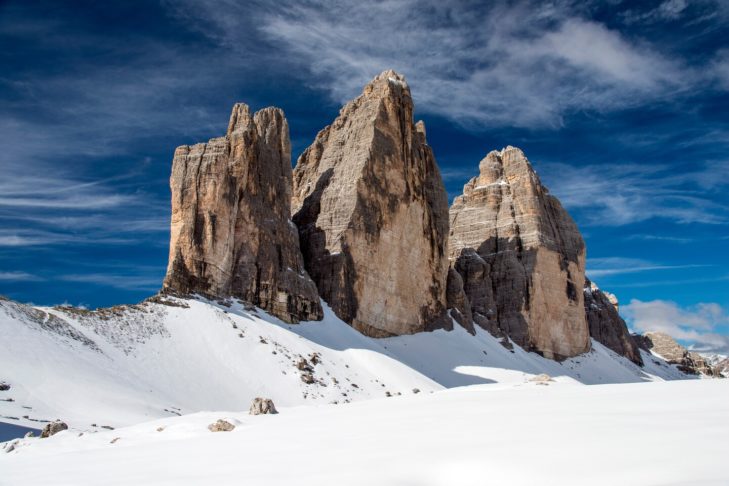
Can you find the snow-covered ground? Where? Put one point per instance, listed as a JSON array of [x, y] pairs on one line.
[[127, 365], [669, 433]]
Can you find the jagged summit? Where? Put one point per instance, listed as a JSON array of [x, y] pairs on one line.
[[520, 256], [231, 232], [372, 214]]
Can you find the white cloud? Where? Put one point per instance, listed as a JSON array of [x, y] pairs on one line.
[[517, 64], [630, 193], [601, 267], [697, 324]]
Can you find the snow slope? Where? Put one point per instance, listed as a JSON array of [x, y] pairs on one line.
[[669, 433], [125, 365]]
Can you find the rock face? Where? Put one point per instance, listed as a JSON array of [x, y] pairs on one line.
[[521, 258], [53, 428], [262, 406], [606, 325], [721, 368], [457, 301], [231, 231], [667, 348], [372, 214]]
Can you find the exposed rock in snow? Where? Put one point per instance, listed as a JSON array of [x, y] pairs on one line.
[[197, 341], [372, 214], [663, 345], [652, 434], [221, 426], [53, 428], [262, 406]]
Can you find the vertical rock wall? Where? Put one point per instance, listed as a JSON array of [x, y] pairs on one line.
[[372, 214], [231, 232], [521, 258]]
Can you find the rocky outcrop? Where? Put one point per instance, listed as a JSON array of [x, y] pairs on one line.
[[721, 368], [221, 426], [667, 348], [262, 406], [231, 231], [521, 258], [53, 428], [606, 325], [372, 214]]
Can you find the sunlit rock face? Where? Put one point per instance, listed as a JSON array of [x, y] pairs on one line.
[[372, 214], [521, 258], [231, 233]]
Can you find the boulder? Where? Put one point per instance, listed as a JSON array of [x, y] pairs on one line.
[[606, 325], [52, 428], [221, 426], [521, 258], [261, 406], [231, 232], [372, 214]]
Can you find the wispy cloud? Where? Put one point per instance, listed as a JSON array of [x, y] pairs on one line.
[[123, 282], [666, 238], [19, 277], [671, 282], [516, 63], [699, 324], [631, 193], [601, 267], [666, 11]]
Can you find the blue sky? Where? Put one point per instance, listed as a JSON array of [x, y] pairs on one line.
[[621, 107]]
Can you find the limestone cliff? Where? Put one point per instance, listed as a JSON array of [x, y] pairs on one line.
[[372, 214], [231, 232], [606, 325], [521, 258]]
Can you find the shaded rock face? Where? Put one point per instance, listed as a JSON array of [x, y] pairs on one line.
[[667, 348], [457, 301], [231, 231], [372, 214], [521, 258], [606, 325]]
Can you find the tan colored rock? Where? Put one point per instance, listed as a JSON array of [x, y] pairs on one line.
[[231, 231], [262, 406], [521, 257], [606, 325], [221, 426], [667, 348], [372, 214], [52, 428]]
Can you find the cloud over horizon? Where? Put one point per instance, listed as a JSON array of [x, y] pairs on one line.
[[704, 324]]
